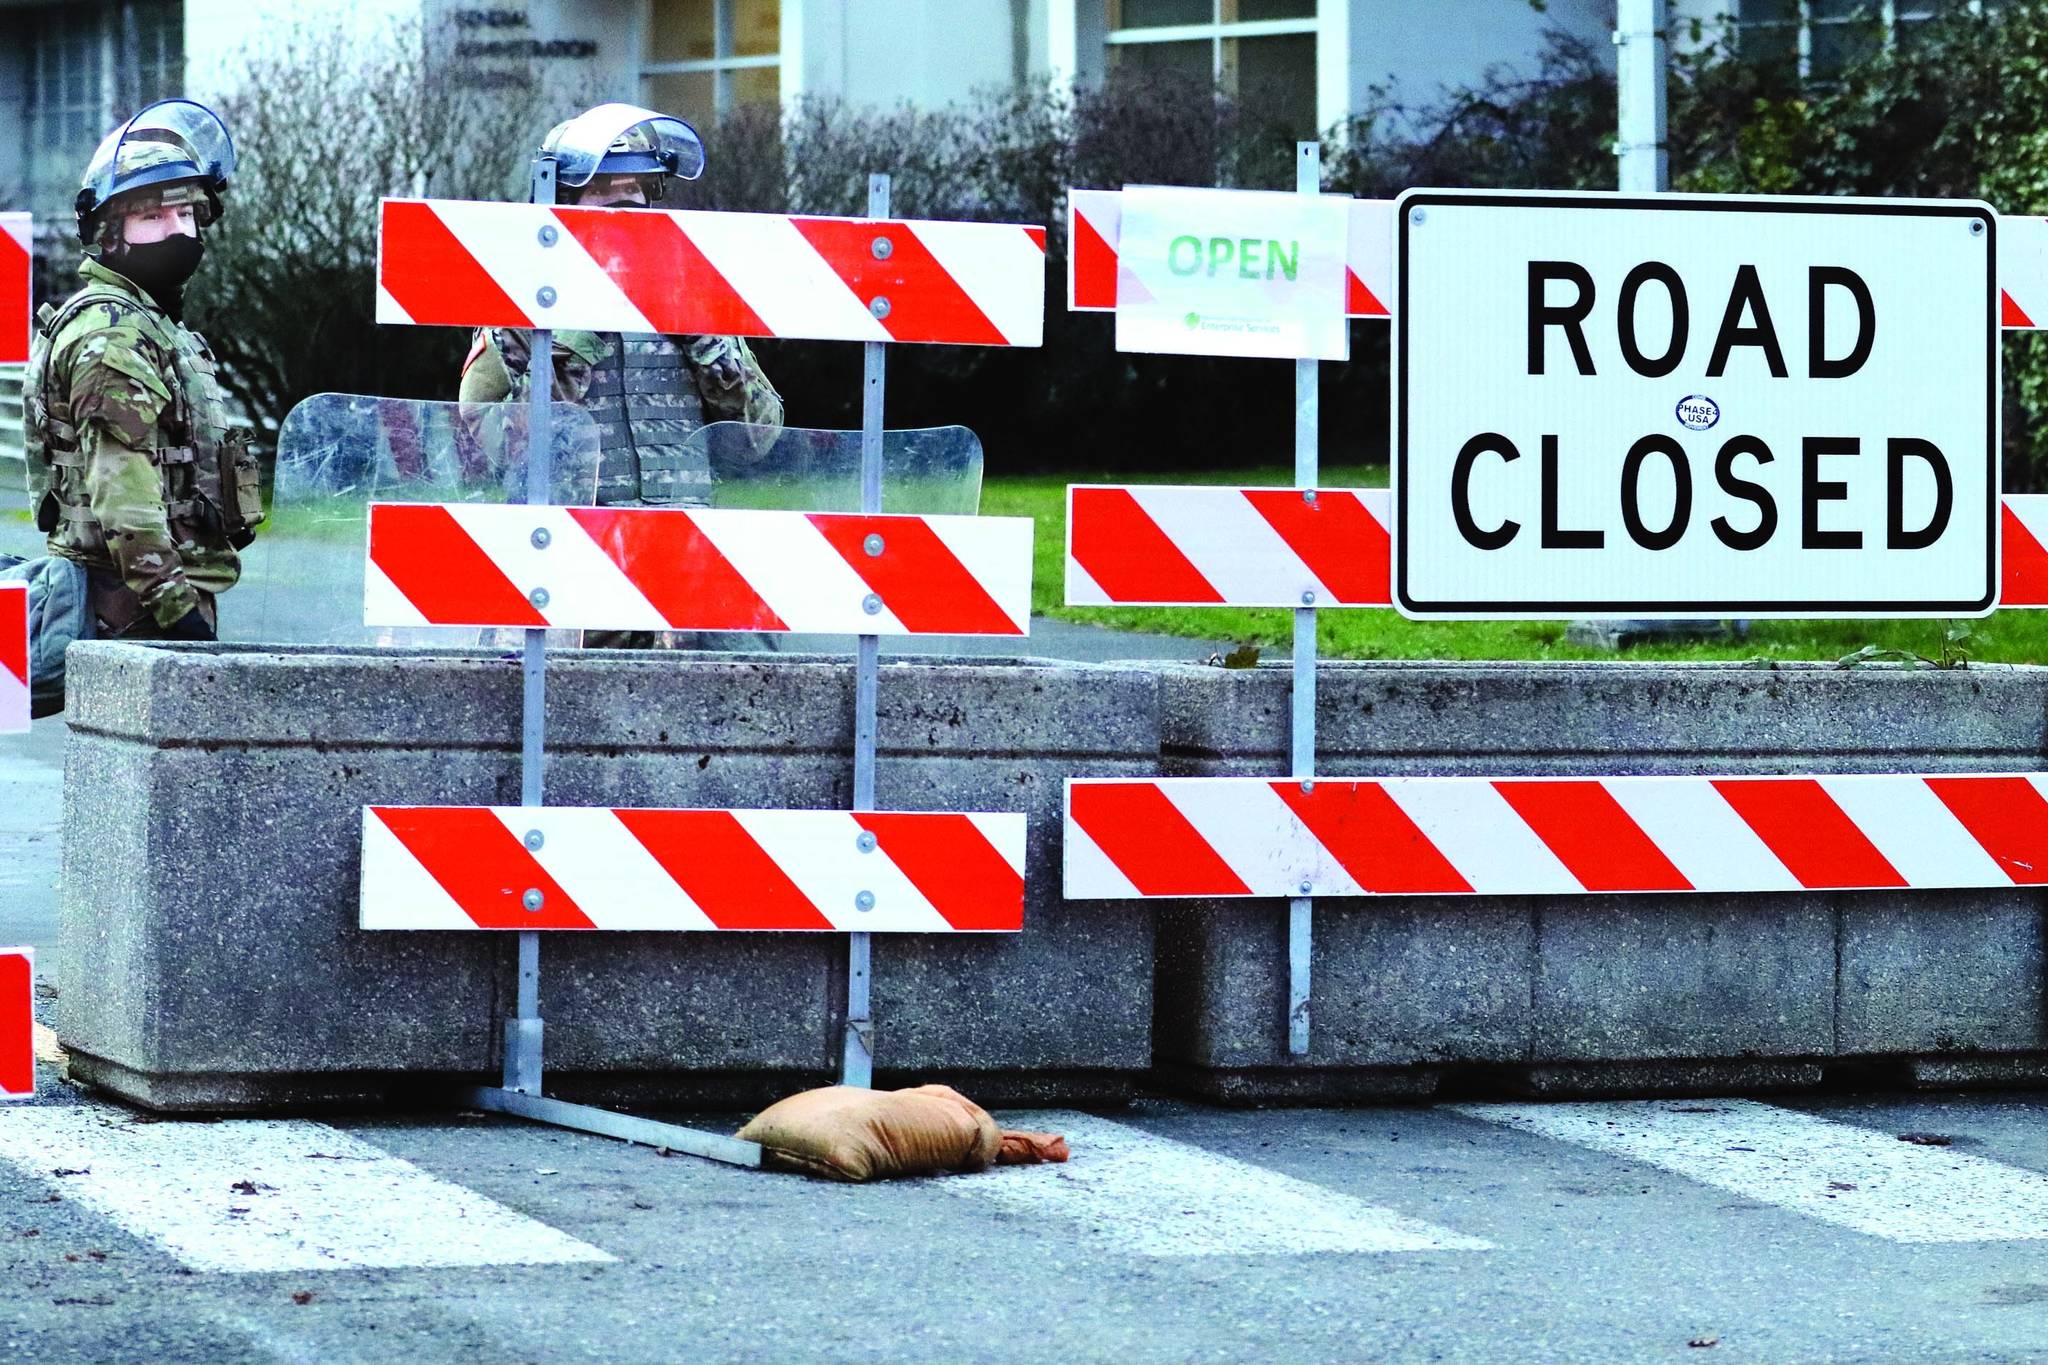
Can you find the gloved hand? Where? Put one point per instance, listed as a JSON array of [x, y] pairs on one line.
[[243, 539], [191, 626]]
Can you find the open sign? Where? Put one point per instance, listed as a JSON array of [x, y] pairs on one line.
[[1695, 406]]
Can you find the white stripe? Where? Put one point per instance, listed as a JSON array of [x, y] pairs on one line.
[[996, 552], [782, 277], [800, 575], [1146, 1195], [1479, 834], [1859, 1178], [607, 872], [19, 226], [323, 1200], [997, 266], [1369, 247], [1005, 833], [1250, 828], [1915, 832], [1693, 826], [817, 850], [505, 240], [1082, 589], [1235, 548], [2023, 263], [383, 603], [585, 589], [1086, 873], [389, 312], [1379, 502], [397, 891]]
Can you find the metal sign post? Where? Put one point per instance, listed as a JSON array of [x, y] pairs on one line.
[[857, 1064], [1308, 179], [1639, 34]]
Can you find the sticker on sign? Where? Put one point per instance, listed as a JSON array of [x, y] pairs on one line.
[[1696, 407]]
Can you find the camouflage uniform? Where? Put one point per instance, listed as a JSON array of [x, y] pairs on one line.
[[133, 469]]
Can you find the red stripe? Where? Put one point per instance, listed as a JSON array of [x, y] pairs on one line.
[[1800, 823], [925, 303], [1385, 852], [1094, 267], [1150, 841], [677, 568], [1037, 236], [15, 310], [652, 260], [2007, 816], [916, 576], [441, 571], [723, 869], [1360, 302], [952, 863], [432, 275], [1579, 820], [2010, 313], [1126, 553], [2023, 563], [482, 866], [17, 1026], [1343, 543], [14, 630]]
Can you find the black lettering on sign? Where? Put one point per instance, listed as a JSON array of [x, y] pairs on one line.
[[1814, 490], [1631, 492], [1570, 316], [1747, 297], [1818, 278], [1485, 443], [1897, 451], [1556, 537], [1746, 489], [1626, 320]]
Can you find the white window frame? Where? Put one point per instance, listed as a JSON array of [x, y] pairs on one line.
[[721, 66], [1329, 25], [1890, 14]]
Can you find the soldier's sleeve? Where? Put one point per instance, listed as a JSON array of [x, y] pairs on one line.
[[117, 398], [484, 376], [573, 370], [735, 388]]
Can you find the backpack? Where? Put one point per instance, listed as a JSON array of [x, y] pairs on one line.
[[59, 611]]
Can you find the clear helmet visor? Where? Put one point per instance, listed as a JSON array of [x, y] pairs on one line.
[[168, 141], [624, 139]]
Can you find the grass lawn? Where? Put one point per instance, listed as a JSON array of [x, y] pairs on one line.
[[2005, 637]]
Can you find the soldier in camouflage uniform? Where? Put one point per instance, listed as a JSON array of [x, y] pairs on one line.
[[133, 469], [647, 393]]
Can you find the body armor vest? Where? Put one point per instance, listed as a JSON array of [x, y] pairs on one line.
[[210, 478], [643, 398]]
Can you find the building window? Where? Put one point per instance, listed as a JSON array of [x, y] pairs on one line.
[[89, 67], [704, 58], [1822, 37], [1262, 52]]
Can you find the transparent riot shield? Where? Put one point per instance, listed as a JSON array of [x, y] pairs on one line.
[[337, 453], [928, 471]]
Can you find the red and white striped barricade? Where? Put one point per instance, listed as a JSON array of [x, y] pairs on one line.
[[1394, 836], [17, 1024], [13, 658], [629, 568], [16, 305], [513, 867], [1093, 217], [460, 263]]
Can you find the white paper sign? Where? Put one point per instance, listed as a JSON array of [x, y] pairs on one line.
[[1694, 406], [1232, 272]]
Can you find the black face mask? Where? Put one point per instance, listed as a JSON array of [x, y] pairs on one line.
[[162, 268]]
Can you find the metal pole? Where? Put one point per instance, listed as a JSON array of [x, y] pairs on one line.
[[1308, 179], [1639, 34], [857, 1064], [523, 1030]]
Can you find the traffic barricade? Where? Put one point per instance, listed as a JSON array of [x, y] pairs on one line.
[[17, 1024], [13, 658], [16, 306]]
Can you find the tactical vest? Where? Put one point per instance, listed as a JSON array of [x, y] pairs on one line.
[[643, 398], [211, 481]]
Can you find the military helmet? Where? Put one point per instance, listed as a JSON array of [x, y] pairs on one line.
[[623, 139], [173, 152]]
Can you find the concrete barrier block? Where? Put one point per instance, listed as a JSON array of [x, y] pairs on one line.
[[1942, 973]]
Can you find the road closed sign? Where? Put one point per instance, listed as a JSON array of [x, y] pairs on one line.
[[1683, 406]]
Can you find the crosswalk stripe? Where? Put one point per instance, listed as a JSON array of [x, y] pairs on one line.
[[1856, 1177], [1152, 1196], [253, 1195]]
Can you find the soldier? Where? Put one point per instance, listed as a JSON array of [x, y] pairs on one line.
[[647, 393], [133, 470]]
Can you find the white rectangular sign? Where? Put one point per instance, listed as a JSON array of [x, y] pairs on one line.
[[1232, 272], [1694, 406]]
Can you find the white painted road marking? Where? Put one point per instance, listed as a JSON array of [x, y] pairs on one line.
[[1153, 1196], [1860, 1178], [310, 1197]]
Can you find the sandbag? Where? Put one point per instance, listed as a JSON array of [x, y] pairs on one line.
[[847, 1133], [1029, 1149]]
